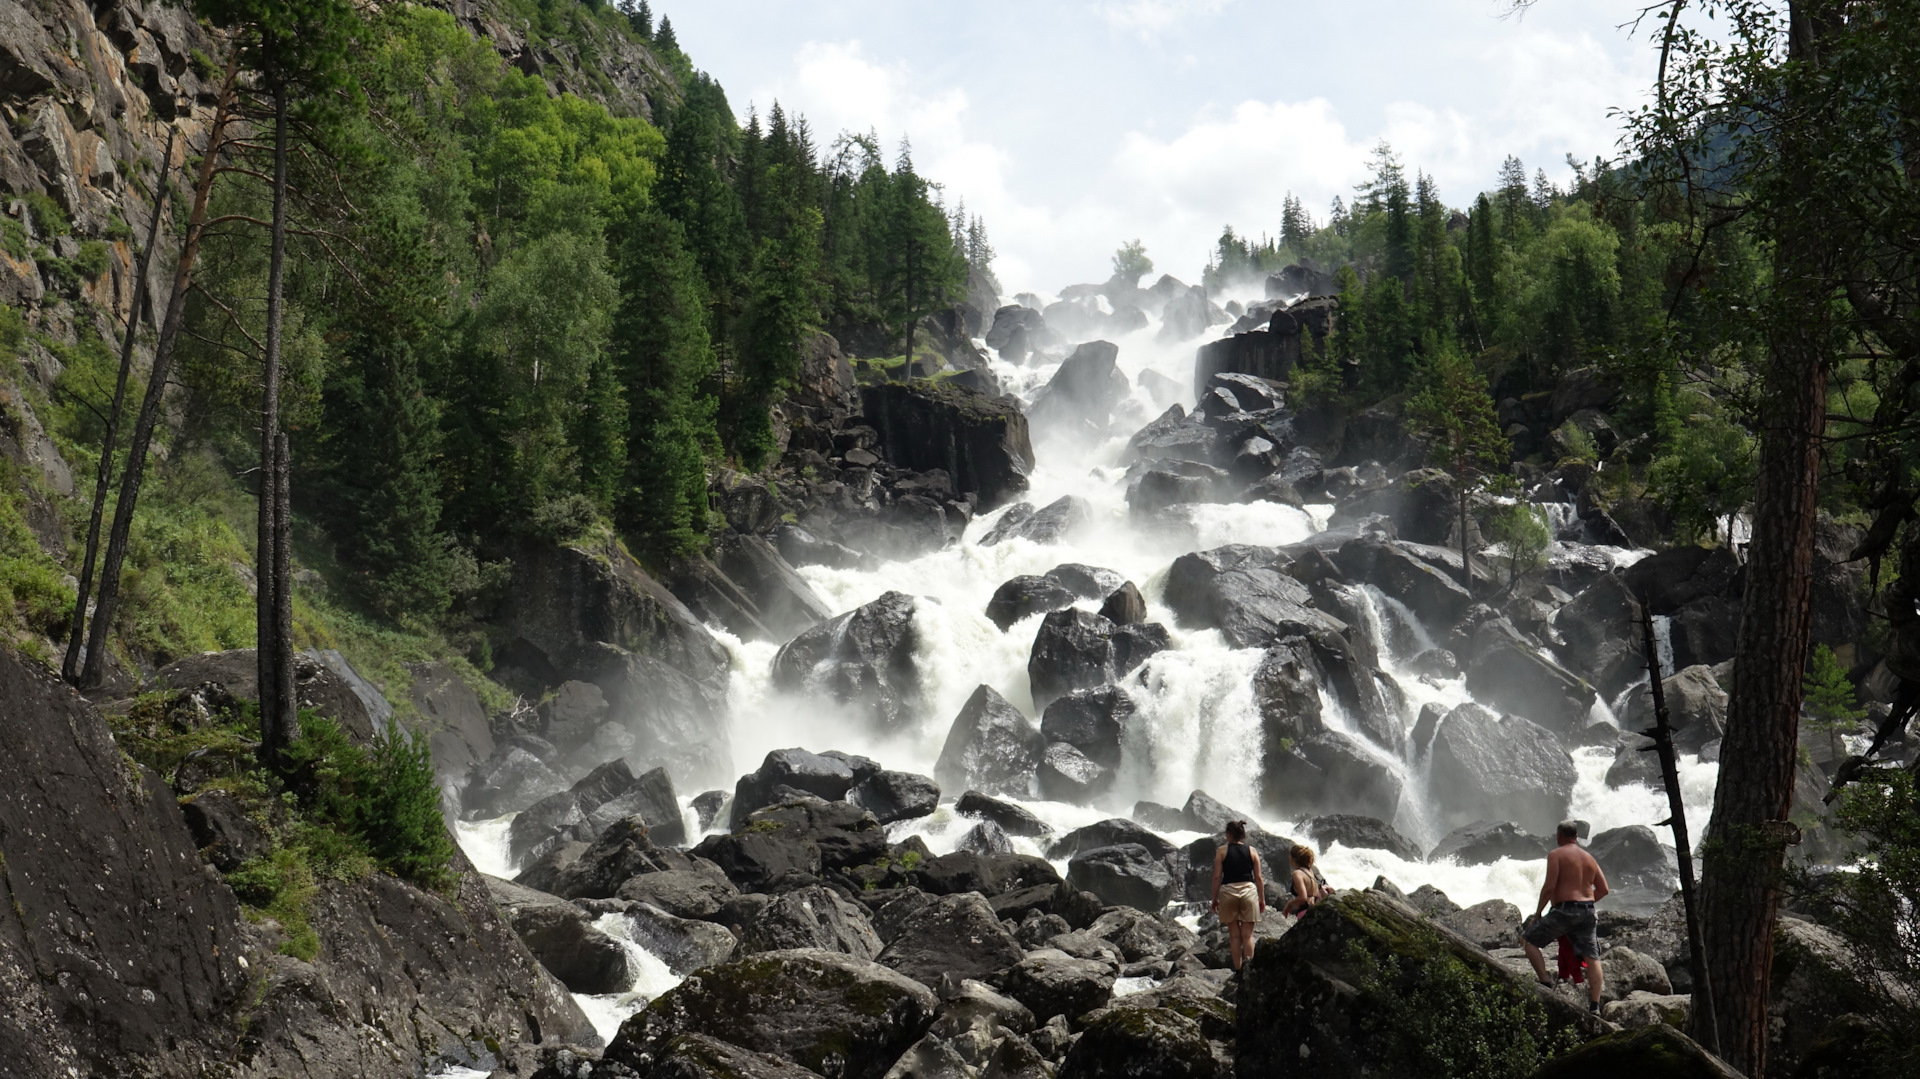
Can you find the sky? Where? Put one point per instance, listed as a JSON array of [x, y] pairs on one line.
[[1070, 126]]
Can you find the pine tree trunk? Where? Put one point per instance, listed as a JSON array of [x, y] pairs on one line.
[[284, 701], [103, 481], [95, 670], [1746, 843], [278, 724]]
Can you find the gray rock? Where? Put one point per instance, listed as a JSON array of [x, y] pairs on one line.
[[1508, 672], [622, 851], [697, 1056], [1642, 1009], [1600, 635], [707, 806], [1128, 1040], [1124, 874], [1025, 596], [1435, 597], [1633, 857], [681, 892], [1011, 818], [985, 837], [822, 1010], [1141, 936], [1084, 389], [1125, 607], [813, 917], [1492, 924], [1105, 834], [1486, 842], [1361, 833], [1068, 775], [1076, 649], [1431, 901], [990, 747], [1086, 582], [1091, 720], [226, 836], [955, 935], [683, 944], [1629, 972], [1488, 768], [862, 660], [1696, 708], [823, 775], [1330, 772], [1051, 982], [896, 796], [1244, 592], [563, 938], [1050, 524]]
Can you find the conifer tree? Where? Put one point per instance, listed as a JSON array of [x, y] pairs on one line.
[[1296, 227], [665, 39], [1455, 413]]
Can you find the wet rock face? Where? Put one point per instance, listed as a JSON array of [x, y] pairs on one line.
[[955, 936], [1126, 874], [813, 917], [1244, 592], [862, 659], [832, 1013], [1083, 391], [991, 747], [1129, 1040], [1090, 720], [1488, 768], [1486, 842], [1025, 596], [896, 796], [980, 442], [563, 938], [1052, 523], [1076, 649]]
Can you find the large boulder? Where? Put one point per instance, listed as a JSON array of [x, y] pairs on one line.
[[591, 614], [334, 695], [1092, 721], [862, 659], [683, 893], [1176, 436], [782, 600], [1068, 775], [1011, 818], [829, 776], [1025, 596], [1330, 772], [697, 1056], [1050, 982], [1076, 649], [1633, 858], [1052, 523], [990, 747], [1435, 597], [1494, 923], [1128, 1041], [1083, 391], [1696, 708], [1306, 996], [1361, 833], [1486, 767], [1017, 332], [609, 793], [1106, 833], [1125, 874], [896, 796], [683, 944], [812, 917], [1602, 642], [1508, 672], [622, 851], [979, 441], [1486, 842], [1421, 504], [829, 1012], [1244, 592], [955, 936]]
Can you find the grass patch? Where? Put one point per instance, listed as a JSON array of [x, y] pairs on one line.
[[35, 602], [343, 811]]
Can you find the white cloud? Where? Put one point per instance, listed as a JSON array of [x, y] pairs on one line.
[[1063, 179], [1148, 17]]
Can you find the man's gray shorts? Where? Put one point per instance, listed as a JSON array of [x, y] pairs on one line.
[[1573, 920]]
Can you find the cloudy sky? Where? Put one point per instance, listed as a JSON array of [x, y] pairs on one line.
[[1070, 125]]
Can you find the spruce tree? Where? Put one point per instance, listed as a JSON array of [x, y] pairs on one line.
[[665, 39], [1455, 413]]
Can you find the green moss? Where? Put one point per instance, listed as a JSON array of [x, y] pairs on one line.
[[910, 860], [35, 602], [49, 219], [763, 827]]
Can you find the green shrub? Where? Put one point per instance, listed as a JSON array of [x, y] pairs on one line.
[[13, 238], [93, 260], [49, 219], [1429, 1014], [34, 599], [281, 886]]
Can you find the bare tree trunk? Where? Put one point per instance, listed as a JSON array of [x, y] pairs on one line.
[[103, 481], [1747, 840], [283, 597], [278, 723], [1466, 567], [95, 670]]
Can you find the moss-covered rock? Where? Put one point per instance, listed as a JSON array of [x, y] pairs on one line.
[[1655, 1052], [1346, 991], [833, 1013], [1148, 1043]]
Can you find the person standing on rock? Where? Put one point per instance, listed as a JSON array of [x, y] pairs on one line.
[[1574, 884], [1239, 891]]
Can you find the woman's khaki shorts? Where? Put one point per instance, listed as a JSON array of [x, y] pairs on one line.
[[1239, 903]]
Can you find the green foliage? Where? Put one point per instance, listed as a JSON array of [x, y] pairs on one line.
[[92, 260], [1428, 1014], [1130, 262], [13, 238], [1521, 530], [1455, 413], [1707, 475], [1579, 444], [49, 220], [1872, 909], [1828, 692], [34, 599]]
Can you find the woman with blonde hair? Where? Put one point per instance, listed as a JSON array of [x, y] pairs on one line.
[[1239, 891], [1306, 883]]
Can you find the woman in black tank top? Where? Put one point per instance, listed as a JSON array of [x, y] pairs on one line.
[[1239, 891]]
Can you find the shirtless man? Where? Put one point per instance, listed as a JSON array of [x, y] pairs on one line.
[[1574, 884]]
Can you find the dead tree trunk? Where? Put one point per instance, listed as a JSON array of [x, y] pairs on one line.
[[273, 654]]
